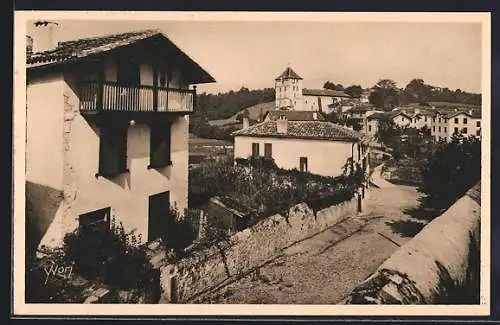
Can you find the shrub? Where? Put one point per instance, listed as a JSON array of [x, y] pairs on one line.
[[179, 232], [450, 172], [109, 255]]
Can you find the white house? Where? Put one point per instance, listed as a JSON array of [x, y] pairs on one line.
[[462, 122], [318, 147], [373, 122], [401, 119], [107, 132], [291, 96]]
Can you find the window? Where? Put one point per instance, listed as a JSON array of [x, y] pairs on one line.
[[465, 120], [369, 128], [159, 144], [478, 124], [439, 129], [96, 220], [112, 149], [303, 164], [158, 214], [464, 130], [268, 150], [425, 118], [255, 150], [434, 119], [439, 120], [433, 129], [478, 132], [455, 131], [445, 129], [456, 120]]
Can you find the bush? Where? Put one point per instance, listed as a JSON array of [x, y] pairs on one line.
[[450, 172], [179, 232], [109, 255]]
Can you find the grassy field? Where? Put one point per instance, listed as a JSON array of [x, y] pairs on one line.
[[254, 112]]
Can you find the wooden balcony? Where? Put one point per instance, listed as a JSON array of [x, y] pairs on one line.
[[111, 97]]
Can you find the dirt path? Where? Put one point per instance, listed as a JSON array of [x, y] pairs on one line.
[[325, 268]]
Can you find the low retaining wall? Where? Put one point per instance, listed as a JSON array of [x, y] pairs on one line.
[[208, 268], [438, 266]]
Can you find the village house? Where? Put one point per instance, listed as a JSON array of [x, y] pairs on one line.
[[400, 118], [318, 147], [373, 123], [464, 122], [107, 131], [291, 96]]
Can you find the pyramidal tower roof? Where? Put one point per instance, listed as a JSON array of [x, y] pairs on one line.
[[288, 74]]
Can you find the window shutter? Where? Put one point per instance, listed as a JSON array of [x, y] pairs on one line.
[[160, 145], [112, 149]]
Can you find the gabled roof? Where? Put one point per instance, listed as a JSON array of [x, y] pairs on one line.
[[288, 74], [315, 130], [394, 114], [377, 116], [324, 92], [294, 115], [80, 49], [453, 113]]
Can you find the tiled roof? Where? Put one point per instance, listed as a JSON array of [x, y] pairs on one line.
[[288, 74], [294, 115], [324, 92], [319, 130], [377, 116], [393, 114], [476, 113], [78, 49]]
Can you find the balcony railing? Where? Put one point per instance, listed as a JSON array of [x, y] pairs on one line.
[[110, 96]]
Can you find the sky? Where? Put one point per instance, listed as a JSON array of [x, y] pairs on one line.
[[252, 54]]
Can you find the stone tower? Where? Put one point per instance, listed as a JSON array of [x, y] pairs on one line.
[[288, 87]]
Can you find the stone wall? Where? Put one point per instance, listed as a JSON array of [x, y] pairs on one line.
[[438, 266], [206, 269]]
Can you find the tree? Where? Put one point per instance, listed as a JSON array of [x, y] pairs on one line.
[[333, 86], [384, 95], [418, 90], [450, 172], [354, 91]]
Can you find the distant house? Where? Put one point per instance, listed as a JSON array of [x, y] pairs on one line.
[[291, 96], [401, 119], [373, 122], [464, 122], [107, 132], [318, 147]]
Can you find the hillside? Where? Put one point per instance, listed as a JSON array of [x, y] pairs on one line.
[[254, 113]]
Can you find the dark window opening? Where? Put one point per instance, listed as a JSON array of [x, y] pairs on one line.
[[303, 164], [268, 150], [465, 120], [456, 120], [464, 130], [455, 131], [255, 150], [158, 214], [478, 124], [96, 220], [160, 137], [112, 149]]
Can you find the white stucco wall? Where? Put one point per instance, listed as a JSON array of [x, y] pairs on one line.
[[127, 194], [311, 102], [323, 157], [401, 121], [44, 128], [289, 92]]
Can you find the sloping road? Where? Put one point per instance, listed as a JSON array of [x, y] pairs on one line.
[[325, 268]]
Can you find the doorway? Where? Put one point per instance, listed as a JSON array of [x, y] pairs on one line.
[[303, 164], [158, 214]]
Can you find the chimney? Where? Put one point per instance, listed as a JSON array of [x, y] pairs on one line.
[[246, 123], [29, 45], [455, 109], [282, 125], [315, 115], [44, 36], [470, 112], [417, 110]]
